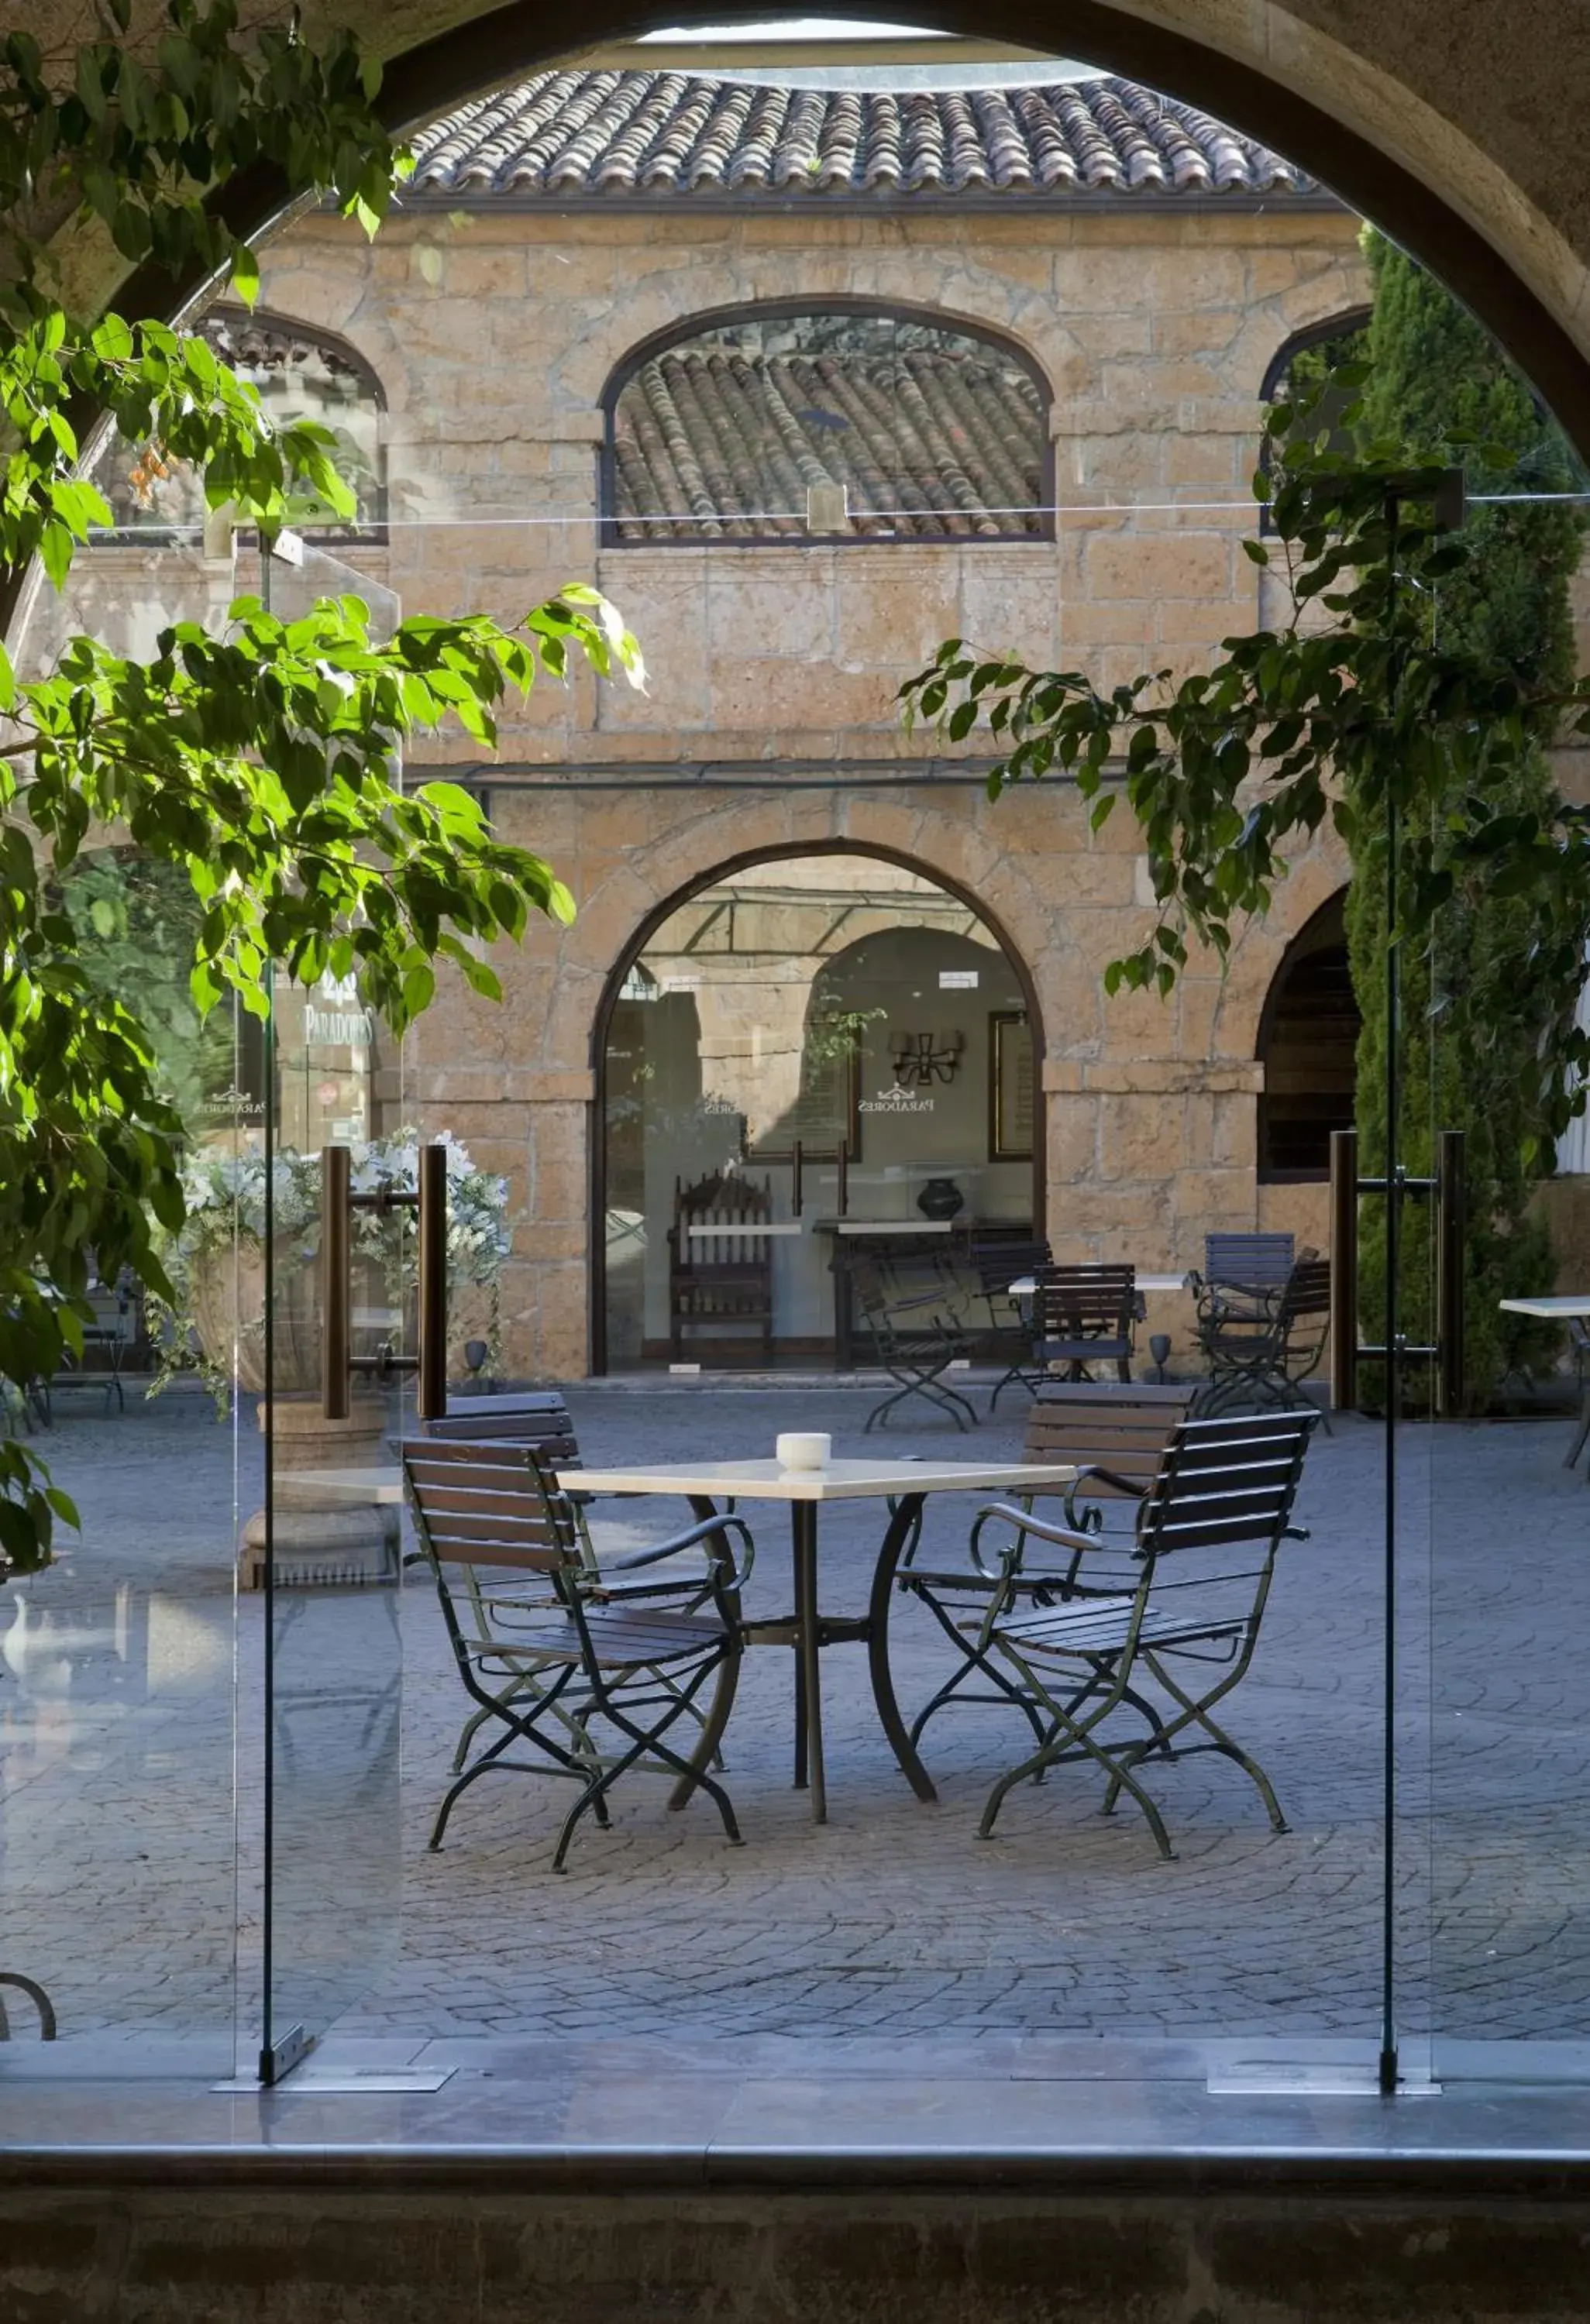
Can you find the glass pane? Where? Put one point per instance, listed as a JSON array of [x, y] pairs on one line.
[[334, 1674], [808, 1052], [779, 426], [1510, 1613], [118, 1890]]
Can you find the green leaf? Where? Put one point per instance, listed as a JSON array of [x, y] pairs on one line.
[[245, 273]]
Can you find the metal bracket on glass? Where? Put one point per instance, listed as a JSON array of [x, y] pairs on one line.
[[339, 1363], [1446, 1187], [279, 2061]]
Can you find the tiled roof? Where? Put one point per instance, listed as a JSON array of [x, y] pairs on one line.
[[935, 441], [660, 134]]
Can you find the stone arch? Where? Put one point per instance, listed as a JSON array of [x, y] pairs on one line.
[[706, 873]]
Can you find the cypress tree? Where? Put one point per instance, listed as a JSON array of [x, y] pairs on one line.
[[1471, 1010]]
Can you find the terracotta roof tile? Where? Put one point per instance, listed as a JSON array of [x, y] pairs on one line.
[[930, 441], [671, 134]]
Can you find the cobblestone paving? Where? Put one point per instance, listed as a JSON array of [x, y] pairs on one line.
[[117, 1734]]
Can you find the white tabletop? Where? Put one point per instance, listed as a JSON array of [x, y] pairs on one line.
[[1551, 1310], [1025, 1285], [841, 1480]]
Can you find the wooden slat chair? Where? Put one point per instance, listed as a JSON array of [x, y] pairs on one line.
[[912, 1341], [1194, 1605], [1084, 1315], [1116, 1438], [725, 1278], [539, 1420], [1259, 1361], [557, 1671], [998, 1264], [1241, 1274]]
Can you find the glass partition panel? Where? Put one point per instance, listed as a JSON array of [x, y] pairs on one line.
[[1510, 1610], [118, 1885], [332, 1567]]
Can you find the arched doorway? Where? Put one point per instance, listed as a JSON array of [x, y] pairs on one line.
[[1308, 1047], [799, 1057]]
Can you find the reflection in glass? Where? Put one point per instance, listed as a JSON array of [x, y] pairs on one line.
[[803, 1056]]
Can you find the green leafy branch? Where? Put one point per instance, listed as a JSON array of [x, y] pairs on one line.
[[131, 133], [1350, 708]]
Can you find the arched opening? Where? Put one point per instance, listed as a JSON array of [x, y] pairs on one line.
[[299, 373], [840, 418], [1308, 1047], [802, 1056]]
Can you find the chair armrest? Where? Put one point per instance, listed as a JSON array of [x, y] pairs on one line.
[[1023, 1522], [1124, 1485], [693, 1535]]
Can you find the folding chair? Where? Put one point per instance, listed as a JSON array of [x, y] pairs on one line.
[[1257, 1360], [554, 1668], [998, 1266], [1222, 1487], [917, 1355], [1241, 1273], [1082, 1315], [539, 1417], [1115, 1437]]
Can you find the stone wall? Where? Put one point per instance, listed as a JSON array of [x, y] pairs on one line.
[[495, 333]]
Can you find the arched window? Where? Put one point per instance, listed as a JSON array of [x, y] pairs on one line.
[[833, 421], [1305, 362], [1309, 1049], [300, 374]]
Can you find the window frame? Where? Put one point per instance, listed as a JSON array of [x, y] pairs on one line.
[[707, 320], [1312, 335]]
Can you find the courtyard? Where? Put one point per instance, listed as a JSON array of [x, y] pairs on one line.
[[128, 1751]]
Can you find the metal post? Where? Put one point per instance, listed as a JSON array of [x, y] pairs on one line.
[[1388, 2053], [1343, 1270], [1450, 1229]]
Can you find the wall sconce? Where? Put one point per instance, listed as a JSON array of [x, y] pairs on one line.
[[921, 1059]]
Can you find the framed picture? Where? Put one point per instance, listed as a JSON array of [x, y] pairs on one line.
[[1010, 1086]]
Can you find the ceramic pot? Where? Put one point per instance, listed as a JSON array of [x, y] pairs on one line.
[[941, 1198]]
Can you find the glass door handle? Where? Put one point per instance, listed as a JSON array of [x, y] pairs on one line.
[[337, 1203], [431, 1402]]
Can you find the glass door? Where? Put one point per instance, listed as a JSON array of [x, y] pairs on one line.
[[338, 1314]]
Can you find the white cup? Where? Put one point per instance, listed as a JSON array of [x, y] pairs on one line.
[[797, 1452]]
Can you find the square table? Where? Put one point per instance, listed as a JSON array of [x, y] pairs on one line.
[[905, 1484]]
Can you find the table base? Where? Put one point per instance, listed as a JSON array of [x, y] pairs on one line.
[[809, 1631]]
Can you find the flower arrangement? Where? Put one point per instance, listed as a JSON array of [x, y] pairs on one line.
[[224, 1232]]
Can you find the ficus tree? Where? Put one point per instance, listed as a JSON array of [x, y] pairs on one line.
[[259, 759], [1359, 706]]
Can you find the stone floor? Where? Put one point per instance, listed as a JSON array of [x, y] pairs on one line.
[[127, 1778]]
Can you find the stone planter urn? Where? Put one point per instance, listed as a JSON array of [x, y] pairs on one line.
[[229, 1306]]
